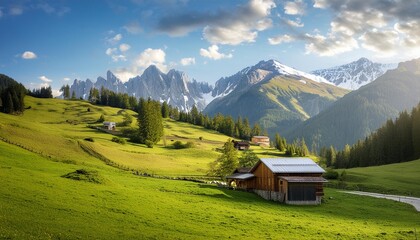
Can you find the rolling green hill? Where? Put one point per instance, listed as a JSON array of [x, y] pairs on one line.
[[360, 112], [399, 178], [51, 188], [279, 103]]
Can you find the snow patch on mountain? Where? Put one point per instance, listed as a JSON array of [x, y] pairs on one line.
[[354, 75]]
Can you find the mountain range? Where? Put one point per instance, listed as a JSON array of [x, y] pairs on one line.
[[275, 95], [281, 99], [361, 112], [175, 87], [355, 74]]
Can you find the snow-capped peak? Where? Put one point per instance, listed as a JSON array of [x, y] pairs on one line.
[[275, 66], [355, 74]]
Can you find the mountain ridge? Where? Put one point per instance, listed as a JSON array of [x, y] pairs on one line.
[[355, 74]]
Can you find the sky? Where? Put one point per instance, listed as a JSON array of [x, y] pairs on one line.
[[54, 42]]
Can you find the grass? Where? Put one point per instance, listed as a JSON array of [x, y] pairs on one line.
[[102, 202], [37, 203], [399, 178]]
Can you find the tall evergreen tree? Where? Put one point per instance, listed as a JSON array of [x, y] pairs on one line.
[[165, 110], [256, 130], [150, 121], [226, 163]]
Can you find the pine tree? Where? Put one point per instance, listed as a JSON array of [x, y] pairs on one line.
[[256, 130], [415, 115], [226, 163], [150, 121], [248, 159], [165, 110], [246, 130]]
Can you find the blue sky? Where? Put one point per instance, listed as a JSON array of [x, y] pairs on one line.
[[54, 42]]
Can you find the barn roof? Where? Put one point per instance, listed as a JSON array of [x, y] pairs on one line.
[[291, 165], [240, 176], [304, 179]]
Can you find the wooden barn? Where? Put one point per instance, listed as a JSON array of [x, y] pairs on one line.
[[261, 140], [241, 145], [288, 180]]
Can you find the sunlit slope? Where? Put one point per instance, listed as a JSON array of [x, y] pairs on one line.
[[37, 203], [57, 128]]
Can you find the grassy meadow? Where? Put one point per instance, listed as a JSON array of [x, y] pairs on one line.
[[398, 178], [38, 200]]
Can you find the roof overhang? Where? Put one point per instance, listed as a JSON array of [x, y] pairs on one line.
[[296, 179], [241, 176]]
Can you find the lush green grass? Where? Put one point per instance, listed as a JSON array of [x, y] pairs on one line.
[[399, 178], [37, 203], [44, 196]]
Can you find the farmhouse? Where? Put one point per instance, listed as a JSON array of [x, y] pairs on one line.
[[109, 125], [241, 145], [289, 180], [261, 140]]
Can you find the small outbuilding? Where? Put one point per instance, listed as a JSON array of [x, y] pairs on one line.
[[261, 140], [241, 145], [109, 125], [288, 180]]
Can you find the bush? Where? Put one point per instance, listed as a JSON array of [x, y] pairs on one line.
[[89, 139], [119, 140], [101, 119], [149, 143], [330, 174], [180, 145]]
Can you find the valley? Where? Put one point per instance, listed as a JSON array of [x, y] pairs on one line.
[[37, 202]]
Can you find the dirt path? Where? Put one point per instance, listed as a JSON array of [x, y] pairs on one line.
[[410, 200]]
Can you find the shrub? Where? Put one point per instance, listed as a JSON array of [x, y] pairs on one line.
[[149, 143], [180, 145], [85, 175], [89, 139], [330, 174], [101, 119], [119, 140]]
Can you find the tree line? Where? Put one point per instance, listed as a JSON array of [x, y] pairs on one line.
[[43, 92], [396, 141], [12, 95]]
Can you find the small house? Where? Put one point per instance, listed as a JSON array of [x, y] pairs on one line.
[[109, 125], [261, 140], [289, 180], [241, 145]]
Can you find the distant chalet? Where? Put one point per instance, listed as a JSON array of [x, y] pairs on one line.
[[261, 140], [241, 145], [109, 125], [290, 180]]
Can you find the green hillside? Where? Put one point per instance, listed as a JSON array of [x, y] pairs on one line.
[[360, 112], [51, 188], [278, 104], [399, 178]]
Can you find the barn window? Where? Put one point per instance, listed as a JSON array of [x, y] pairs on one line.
[[301, 192]]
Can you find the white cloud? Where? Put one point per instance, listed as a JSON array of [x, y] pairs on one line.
[[324, 46], [295, 8], [133, 28], [148, 57], [117, 58], [29, 55], [387, 28], [66, 79], [152, 57], [320, 4], [213, 53], [281, 39], [124, 47], [380, 41], [296, 23], [115, 39], [234, 26], [187, 61], [44, 79], [16, 11], [110, 51]]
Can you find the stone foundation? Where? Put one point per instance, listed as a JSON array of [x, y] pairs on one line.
[[271, 195]]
